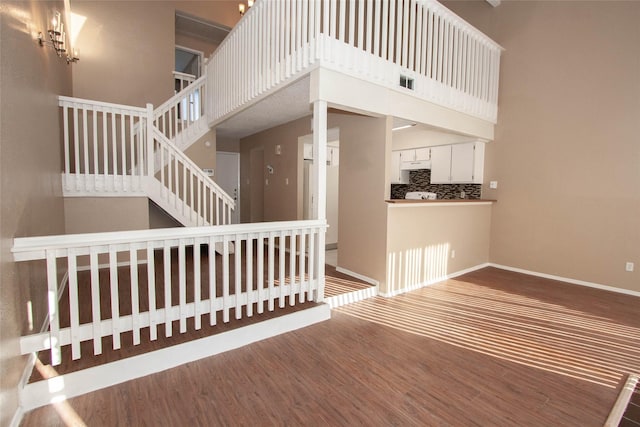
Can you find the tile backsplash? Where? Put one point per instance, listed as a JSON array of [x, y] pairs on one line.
[[420, 180]]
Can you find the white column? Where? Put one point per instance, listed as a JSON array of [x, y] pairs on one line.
[[320, 186]]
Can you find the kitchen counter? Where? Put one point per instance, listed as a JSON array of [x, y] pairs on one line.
[[439, 201]]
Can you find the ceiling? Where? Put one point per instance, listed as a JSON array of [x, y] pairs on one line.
[[200, 28], [285, 105]]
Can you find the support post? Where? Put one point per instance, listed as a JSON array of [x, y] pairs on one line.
[[320, 187]]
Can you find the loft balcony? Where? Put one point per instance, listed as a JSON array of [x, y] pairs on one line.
[[361, 55]]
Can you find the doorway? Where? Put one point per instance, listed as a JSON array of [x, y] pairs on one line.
[[188, 61], [227, 176], [332, 188]]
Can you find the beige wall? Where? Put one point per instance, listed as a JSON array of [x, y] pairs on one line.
[[30, 165], [127, 47], [280, 198], [203, 151], [421, 239], [126, 52], [365, 146], [566, 153], [101, 214]]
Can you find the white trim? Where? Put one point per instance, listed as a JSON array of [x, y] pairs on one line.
[[567, 280], [433, 281], [37, 394], [357, 276], [619, 408], [17, 417]]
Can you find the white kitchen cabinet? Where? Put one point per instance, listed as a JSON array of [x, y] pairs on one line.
[[457, 163], [398, 176], [423, 154], [441, 164], [308, 151], [333, 154], [415, 154], [415, 158]]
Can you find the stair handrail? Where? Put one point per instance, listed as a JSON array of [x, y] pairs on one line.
[[192, 167], [112, 147], [167, 121]]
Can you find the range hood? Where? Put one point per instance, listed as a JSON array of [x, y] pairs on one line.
[[415, 165]]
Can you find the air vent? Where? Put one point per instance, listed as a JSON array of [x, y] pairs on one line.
[[406, 82]]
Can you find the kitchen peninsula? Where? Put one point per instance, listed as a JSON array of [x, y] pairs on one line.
[[432, 240]]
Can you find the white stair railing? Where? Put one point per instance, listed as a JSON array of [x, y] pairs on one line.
[[182, 80], [182, 117], [103, 143], [185, 190], [417, 46], [150, 278], [115, 149]]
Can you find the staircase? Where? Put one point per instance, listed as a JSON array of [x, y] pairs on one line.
[[113, 150]]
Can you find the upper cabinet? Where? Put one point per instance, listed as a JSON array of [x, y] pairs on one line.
[[398, 176], [458, 163], [333, 154], [415, 158]]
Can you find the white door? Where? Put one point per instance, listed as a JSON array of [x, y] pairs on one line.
[[227, 176]]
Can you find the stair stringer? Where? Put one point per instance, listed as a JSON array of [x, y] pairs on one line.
[[187, 137]]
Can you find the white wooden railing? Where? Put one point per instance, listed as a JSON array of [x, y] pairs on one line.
[[186, 189], [111, 148], [182, 117], [182, 80], [418, 46], [105, 146], [126, 281]]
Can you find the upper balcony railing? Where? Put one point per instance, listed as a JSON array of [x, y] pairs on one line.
[[417, 46]]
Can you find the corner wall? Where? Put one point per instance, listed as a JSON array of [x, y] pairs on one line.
[[566, 152], [31, 77]]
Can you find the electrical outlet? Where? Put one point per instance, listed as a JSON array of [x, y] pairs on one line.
[[629, 266], [493, 184], [453, 253], [286, 181]]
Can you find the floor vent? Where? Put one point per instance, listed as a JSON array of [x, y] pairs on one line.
[[626, 410]]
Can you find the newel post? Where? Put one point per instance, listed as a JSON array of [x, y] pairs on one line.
[[150, 156]]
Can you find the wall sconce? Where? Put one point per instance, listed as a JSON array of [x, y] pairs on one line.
[[242, 8], [57, 37]]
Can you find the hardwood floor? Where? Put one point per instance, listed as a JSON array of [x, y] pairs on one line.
[[491, 348]]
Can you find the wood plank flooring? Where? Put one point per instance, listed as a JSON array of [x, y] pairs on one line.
[[491, 348]]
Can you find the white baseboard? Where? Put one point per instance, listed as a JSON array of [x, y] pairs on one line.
[[357, 276], [42, 393], [433, 281], [567, 280]]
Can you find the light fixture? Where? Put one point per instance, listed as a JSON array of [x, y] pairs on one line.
[[242, 8], [57, 37], [403, 127]]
